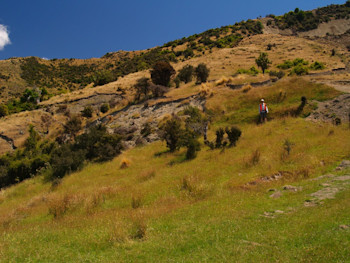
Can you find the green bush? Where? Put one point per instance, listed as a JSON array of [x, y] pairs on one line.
[[300, 70], [286, 65], [87, 112], [65, 160], [161, 73], [279, 74], [172, 133], [202, 73], [186, 73], [317, 66], [252, 71], [104, 108], [193, 146], [98, 144], [233, 135]]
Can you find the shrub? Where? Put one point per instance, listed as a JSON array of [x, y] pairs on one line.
[[104, 107], [186, 73], [64, 160], [202, 73], [219, 137], [317, 66], [158, 90], [177, 82], [87, 112], [98, 144], [172, 133], [279, 74], [286, 65], [73, 126], [3, 110], [188, 53], [233, 134], [192, 147], [252, 71], [300, 70], [142, 88], [125, 163], [161, 73]]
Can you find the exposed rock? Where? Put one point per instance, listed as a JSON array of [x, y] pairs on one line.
[[291, 188], [329, 111], [276, 195], [326, 193], [344, 165], [342, 178]]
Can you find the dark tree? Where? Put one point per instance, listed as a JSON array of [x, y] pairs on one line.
[[233, 135], [142, 88], [161, 73], [104, 107], [172, 132], [186, 73], [202, 73], [219, 137], [263, 62]]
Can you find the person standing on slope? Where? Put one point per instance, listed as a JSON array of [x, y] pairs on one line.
[[263, 110]]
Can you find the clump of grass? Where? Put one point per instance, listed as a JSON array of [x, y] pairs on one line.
[[139, 228], [58, 207], [118, 233], [125, 163], [205, 91], [246, 88], [136, 201], [148, 175], [287, 148], [93, 201], [223, 80], [254, 158], [194, 188]]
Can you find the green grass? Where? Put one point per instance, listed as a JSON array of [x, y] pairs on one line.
[[201, 210]]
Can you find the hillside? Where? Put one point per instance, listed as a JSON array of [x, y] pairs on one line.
[[88, 173]]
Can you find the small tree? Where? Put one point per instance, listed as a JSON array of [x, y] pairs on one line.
[[233, 135], [104, 107], [186, 73], [172, 133], [219, 137], [161, 73], [263, 62], [192, 147], [202, 73], [142, 88]]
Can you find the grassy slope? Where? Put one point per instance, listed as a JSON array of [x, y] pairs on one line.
[[193, 211]]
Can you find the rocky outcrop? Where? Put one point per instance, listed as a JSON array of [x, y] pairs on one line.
[[132, 120], [9, 141]]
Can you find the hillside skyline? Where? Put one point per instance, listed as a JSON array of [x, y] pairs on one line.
[[67, 30]]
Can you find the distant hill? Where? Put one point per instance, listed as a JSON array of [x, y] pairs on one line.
[[65, 75]]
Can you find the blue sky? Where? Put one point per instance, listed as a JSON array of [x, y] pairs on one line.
[[91, 28]]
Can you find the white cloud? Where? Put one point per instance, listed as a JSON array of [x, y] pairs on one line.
[[4, 37]]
